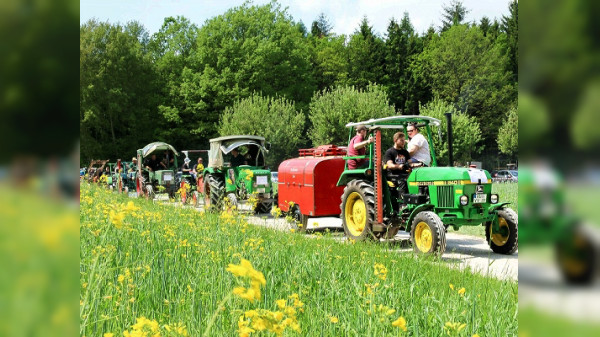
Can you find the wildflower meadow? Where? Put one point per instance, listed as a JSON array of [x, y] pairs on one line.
[[149, 269]]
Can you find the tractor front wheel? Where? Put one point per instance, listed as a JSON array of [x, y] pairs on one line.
[[358, 210], [576, 256], [506, 241], [427, 234], [214, 190]]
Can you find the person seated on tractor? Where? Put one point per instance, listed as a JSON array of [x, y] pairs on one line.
[[237, 159], [133, 165], [168, 161], [198, 169], [185, 168], [396, 160], [357, 147], [418, 147], [153, 164]]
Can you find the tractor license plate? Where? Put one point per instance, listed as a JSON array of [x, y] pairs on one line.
[[167, 177], [260, 190], [261, 180], [479, 198]]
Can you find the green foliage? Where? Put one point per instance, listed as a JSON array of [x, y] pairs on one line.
[[329, 63], [454, 14], [331, 110], [247, 49], [508, 137], [276, 119], [467, 70], [584, 128], [365, 57], [465, 131], [535, 121], [117, 90]]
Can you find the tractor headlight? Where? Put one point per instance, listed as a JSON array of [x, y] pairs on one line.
[[494, 198], [464, 200]]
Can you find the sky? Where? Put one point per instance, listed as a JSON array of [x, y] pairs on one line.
[[344, 15]]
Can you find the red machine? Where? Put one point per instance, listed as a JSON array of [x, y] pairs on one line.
[[309, 182]]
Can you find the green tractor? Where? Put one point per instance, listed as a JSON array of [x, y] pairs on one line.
[[437, 198], [148, 182], [236, 174]]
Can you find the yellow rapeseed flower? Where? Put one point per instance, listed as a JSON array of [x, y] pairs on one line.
[[281, 303], [451, 286], [333, 319], [400, 323], [108, 334], [475, 335], [461, 291]]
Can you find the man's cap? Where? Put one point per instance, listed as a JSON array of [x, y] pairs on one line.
[[186, 160], [134, 159], [361, 127]]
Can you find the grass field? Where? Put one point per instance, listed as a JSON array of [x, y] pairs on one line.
[[163, 269], [508, 192]]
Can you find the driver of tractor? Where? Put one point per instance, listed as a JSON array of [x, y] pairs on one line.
[[133, 165], [237, 159], [418, 147], [168, 160], [153, 164], [396, 161], [357, 147]]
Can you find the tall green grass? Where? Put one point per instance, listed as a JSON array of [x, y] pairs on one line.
[[169, 264]]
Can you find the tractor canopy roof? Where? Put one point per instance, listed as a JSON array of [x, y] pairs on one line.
[[157, 146], [224, 145], [397, 122]]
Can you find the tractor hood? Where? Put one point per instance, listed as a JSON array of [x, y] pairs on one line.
[[157, 146], [451, 175]]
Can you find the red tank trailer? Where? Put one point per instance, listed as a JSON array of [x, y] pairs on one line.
[[307, 184]]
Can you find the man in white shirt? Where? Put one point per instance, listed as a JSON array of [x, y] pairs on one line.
[[418, 147]]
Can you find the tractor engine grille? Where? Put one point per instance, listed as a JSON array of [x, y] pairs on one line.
[[445, 196]]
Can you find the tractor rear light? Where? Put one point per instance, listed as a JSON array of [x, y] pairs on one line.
[[464, 200], [494, 198]]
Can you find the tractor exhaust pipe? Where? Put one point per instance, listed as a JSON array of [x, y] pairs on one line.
[[450, 157]]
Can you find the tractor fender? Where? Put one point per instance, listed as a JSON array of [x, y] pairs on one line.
[[414, 213], [492, 209]]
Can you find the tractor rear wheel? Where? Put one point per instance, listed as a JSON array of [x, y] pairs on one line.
[[506, 241], [427, 234], [214, 191], [576, 257], [358, 210], [263, 207]]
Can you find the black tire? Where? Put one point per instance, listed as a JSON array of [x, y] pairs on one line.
[[300, 221], [576, 257], [427, 234], [263, 207], [500, 243], [358, 210], [214, 190]]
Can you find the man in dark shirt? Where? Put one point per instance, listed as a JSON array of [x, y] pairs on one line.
[[396, 161], [236, 158], [152, 163]]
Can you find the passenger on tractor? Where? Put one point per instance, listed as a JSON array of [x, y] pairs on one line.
[[168, 161], [357, 147], [396, 161], [198, 168], [133, 165], [185, 168], [153, 164], [418, 147], [237, 159]]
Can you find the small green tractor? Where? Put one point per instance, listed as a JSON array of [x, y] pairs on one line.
[[226, 184], [149, 183], [437, 198]]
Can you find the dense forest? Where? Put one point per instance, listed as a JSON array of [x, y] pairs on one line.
[[255, 70]]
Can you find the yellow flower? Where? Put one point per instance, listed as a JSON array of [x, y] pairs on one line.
[[121, 278], [461, 291], [400, 323], [333, 319], [475, 335], [281, 304], [108, 334], [117, 218], [131, 207], [451, 286]]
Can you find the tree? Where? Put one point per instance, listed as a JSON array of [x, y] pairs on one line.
[[321, 27], [276, 119], [330, 66], [510, 26], [465, 131], [248, 49], [467, 70], [401, 46], [454, 14], [365, 57], [117, 90], [508, 135], [331, 110]]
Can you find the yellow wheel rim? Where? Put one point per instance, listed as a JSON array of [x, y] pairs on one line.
[[498, 238], [423, 237], [355, 213]]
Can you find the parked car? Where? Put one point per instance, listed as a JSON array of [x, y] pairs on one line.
[[506, 176]]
